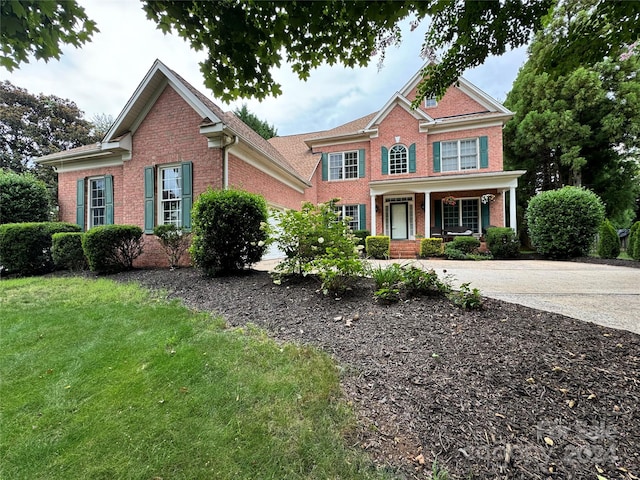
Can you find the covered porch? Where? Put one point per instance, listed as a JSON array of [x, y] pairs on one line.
[[410, 209]]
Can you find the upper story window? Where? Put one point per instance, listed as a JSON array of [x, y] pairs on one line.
[[170, 196], [430, 102], [398, 160], [460, 155], [343, 165], [97, 202], [353, 212]]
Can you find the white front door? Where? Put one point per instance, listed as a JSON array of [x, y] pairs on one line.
[[399, 221]]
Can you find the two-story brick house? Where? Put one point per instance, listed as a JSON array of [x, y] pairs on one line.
[[391, 169]]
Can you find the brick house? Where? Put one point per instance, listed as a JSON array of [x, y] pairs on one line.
[[391, 169]]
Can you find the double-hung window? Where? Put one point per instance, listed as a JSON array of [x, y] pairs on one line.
[[168, 195], [398, 160], [355, 213], [466, 212], [94, 201], [97, 202], [343, 165], [460, 155]]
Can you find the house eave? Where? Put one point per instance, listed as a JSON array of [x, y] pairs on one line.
[[317, 142], [463, 123]]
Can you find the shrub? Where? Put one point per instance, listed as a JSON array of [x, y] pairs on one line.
[[230, 231], [112, 248], [66, 250], [395, 280], [361, 236], [431, 247], [466, 297], [633, 242], [337, 272], [387, 282], [466, 244], [378, 246], [23, 198], [563, 223], [418, 281], [453, 253], [25, 248], [174, 241], [608, 241], [503, 242]]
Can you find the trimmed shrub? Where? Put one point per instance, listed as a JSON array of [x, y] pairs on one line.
[[230, 231], [633, 242], [174, 241], [378, 246], [112, 248], [361, 236], [25, 248], [453, 253], [608, 241], [431, 247], [23, 198], [563, 223], [503, 242], [66, 251], [466, 244]]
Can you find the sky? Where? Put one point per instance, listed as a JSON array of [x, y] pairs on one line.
[[101, 76]]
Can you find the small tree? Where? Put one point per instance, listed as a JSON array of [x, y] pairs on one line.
[[230, 231], [633, 242], [174, 241], [23, 198], [608, 241], [563, 223]]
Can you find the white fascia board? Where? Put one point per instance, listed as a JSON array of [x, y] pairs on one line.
[[247, 154], [401, 100], [464, 124], [96, 162], [467, 181], [482, 97], [339, 140]]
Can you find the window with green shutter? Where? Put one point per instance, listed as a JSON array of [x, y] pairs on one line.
[[171, 194]]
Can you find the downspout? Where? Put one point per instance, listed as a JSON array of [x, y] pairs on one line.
[[225, 159]]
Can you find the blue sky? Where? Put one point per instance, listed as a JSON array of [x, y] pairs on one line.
[[102, 75]]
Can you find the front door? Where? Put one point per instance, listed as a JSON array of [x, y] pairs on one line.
[[399, 221]]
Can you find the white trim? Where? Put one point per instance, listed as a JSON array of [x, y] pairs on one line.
[[158, 192], [400, 100], [88, 198], [410, 200], [457, 142], [74, 166], [458, 124], [343, 168]]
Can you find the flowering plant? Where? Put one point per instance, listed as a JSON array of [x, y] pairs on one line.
[[449, 200], [488, 197]]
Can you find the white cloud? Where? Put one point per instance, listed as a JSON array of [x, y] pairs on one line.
[[102, 75]]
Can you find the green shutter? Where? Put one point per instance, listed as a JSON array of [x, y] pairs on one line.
[[108, 198], [484, 211], [361, 163], [325, 167], [149, 199], [363, 216], [437, 213], [436, 156], [484, 152], [80, 202], [187, 194], [412, 158], [385, 161]]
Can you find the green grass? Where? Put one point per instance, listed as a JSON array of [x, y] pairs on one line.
[[102, 380]]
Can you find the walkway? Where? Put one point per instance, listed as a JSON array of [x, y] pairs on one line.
[[601, 294]]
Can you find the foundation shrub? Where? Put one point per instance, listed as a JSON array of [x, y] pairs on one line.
[[378, 246], [66, 251], [174, 241], [23, 198], [112, 248], [25, 248], [608, 241], [431, 247], [503, 242]]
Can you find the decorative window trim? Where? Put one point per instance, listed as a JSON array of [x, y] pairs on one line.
[[164, 204], [398, 159]]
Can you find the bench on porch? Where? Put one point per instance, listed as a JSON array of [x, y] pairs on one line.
[[449, 233]]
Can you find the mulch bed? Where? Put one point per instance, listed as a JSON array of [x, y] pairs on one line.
[[500, 393]]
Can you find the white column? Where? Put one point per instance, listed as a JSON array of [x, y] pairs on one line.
[[373, 215], [512, 209], [427, 214]]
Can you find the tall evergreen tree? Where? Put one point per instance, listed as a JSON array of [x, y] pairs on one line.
[[261, 127]]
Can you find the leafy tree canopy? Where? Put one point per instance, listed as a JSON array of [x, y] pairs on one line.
[[40, 28], [261, 127]]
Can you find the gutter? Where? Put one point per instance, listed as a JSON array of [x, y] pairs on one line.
[[228, 142]]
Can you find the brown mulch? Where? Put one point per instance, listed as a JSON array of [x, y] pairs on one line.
[[500, 393]]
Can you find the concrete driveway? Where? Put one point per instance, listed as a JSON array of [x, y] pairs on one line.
[[601, 294]]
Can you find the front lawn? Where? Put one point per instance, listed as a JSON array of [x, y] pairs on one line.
[[104, 380]]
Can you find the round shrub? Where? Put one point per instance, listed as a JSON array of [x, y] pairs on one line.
[[503, 242], [66, 251], [431, 247], [608, 241], [466, 244], [112, 248], [563, 223], [378, 246], [229, 231], [25, 248], [23, 198], [633, 242]]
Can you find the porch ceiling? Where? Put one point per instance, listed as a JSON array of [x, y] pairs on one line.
[[444, 183]]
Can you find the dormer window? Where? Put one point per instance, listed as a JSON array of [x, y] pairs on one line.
[[430, 102]]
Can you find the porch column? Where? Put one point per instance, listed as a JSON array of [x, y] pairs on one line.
[[373, 215], [512, 209], [427, 214]]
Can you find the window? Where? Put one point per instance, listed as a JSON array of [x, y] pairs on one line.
[[465, 212], [459, 155], [353, 213], [97, 202], [430, 102], [343, 165], [398, 160], [170, 196]]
